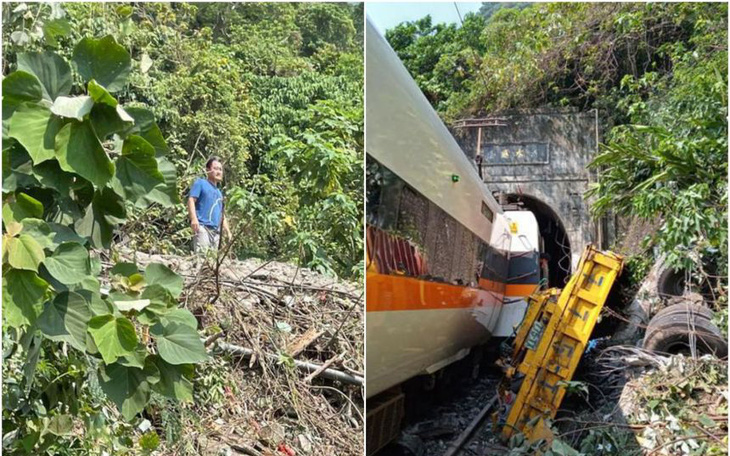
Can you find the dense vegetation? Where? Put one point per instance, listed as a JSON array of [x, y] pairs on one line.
[[109, 112], [252, 83], [656, 72]]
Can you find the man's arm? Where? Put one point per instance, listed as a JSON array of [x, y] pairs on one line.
[[193, 216]]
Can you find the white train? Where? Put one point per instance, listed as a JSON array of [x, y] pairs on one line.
[[440, 279]]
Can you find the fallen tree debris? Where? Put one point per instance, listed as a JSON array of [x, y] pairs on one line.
[[317, 370], [304, 341], [288, 345]]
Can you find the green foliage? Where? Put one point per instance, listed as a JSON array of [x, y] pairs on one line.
[[223, 79], [637, 267], [671, 162], [657, 72], [109, 113], [66, 189]]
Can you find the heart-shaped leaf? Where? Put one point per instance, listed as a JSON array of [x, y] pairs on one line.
[[182, 316], [69, 264], [35, 127], [175, 381], [65, 319], [114, 336], [137, 168], [157, 273], [52, 71], [79, 151], [105, 210], [104, 61], [178, 343], [24, 252], [21, 300], [128, 387]]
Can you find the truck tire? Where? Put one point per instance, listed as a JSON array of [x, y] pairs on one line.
[[671, 331], [697, 309], [670, 282]]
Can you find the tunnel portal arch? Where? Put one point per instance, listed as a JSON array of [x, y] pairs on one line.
[[556, 241]]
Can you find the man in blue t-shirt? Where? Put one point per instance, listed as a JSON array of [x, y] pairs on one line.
[[205, 208]]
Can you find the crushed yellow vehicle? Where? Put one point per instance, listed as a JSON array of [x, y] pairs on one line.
[[551, 340]]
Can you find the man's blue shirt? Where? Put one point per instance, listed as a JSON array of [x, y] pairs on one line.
[[208, 203]]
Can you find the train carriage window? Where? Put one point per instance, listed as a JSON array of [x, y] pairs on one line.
[[383, 195], [487, 212]]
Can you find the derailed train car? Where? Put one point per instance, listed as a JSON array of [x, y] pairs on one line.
[[438, 245]]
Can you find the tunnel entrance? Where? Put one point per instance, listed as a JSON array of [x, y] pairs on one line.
[[553, 233]]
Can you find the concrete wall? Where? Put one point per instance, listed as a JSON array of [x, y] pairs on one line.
[[543, 155]]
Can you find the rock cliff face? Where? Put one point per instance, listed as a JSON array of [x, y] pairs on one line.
[[283, 316]]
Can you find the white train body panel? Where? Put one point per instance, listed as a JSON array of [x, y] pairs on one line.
[[525, 240], [405, 135]]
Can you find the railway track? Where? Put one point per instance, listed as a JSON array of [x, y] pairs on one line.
[[457, 446], [448, 413]]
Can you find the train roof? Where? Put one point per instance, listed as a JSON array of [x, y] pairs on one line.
[[405, 134]]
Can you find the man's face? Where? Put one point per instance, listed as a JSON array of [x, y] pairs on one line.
[[215, 172]]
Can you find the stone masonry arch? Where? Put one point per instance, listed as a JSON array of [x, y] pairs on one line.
[[542, 156]]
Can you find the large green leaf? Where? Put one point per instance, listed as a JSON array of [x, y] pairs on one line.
[[69, 264], [137, 168], [35, 127], [182, 316], [107, 120], [50, 175], [22, 207], [124, 268], [105, 210], [20, 87], [97, 305], [52, 71], [165, 194], [178, 343], [128, 387], [89, 283], [146, 127], [175, 381], [21, 300], [40, 231], [55, 28], [73, 107], [78, 150], [104, 61], [24, 252], [66, 319], [100, 95], [62, 233], [161, 302], [114, 336], [17, 168], [160, 274]]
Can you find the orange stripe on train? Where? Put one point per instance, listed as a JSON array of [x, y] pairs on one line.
[[520, 289], [392, 292]]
